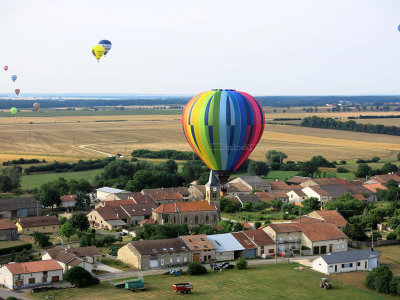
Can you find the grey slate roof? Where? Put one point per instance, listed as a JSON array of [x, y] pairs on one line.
[[349, 256], [212, 180], [335, 190], [17, 203], [252, 198], [255, 181]]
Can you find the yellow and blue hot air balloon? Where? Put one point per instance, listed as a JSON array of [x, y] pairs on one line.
[[223, 127], [106, 45], [98, 51]]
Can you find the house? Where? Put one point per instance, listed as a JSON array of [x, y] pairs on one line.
[[265, 244], [197, 192], [19, 207], [334, 191], [148, 254], [296, 196], [297, 180], [184, 192], [202, 249], [287, 235], [264, 196], [383, 179], [65, 259], [373, 187], [322, 238], [8, 230], [251, 198], [361, 190], [190, 213], [318, 182], [147, 222], [329, 216], [279, 195], [316, 192], [68, 201], [30, 274], [280, 186], [108, 218], [44, 224], [108, 194], [253, 183], [139, 198], [227, 247], [250, 248], [166, 197], [89, 254], [346, 261], [233, 189]]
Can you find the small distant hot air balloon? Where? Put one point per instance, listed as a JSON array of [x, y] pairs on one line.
[[5, 68], [398, 28], [13, 110], [17, 91], [14, 77], [98, 51], [36, 106], [223, 127], [106, 45]]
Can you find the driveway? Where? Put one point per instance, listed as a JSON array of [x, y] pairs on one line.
[[5, 294], [103, 267]]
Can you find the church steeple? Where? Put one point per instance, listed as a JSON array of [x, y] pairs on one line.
[[213, 191]]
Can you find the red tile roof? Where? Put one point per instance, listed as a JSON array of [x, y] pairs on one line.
[[247, 225], [197, 242], [119, 202], [184, 207], [166, 196], [68, 198], [375, 186], [359, 197], [307, 219], [148, 222], [112, 213], [332, 217], [284, 227], [386, 177], [279, 185], [39, 221], [264, 196], [34, 266], [85, 251], [297, 179], [321, 232], [259, 237], [244, 240], [7, 224], [278, 194]]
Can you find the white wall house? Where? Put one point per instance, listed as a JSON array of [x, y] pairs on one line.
[[347, 261], [316, 192], [30, 274], [296, 196]]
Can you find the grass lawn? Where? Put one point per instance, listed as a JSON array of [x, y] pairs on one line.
[[280, 175], [281, 281], [6, 244], [36, 180], [114, 263]]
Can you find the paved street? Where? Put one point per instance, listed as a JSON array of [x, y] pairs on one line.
[[5, 294]]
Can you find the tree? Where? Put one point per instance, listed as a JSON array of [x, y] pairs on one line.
[[388, 168], [229, 206], [379, 279], [392, 185], [79, 221], [394, 222], [5, 184], [41, 239], [274, 156], [171, 166], [394, 286], [237, 227], [80, 202], [247, 206], [79, 277], [241, 264], [66, 230], [355, 231], [81, 185], [310, 204], [193, 169], [347, 205], [14, 173], [258, 168], [398, 156], [307, 169], [257, 224], [49, 195], [196, 269], [363, 170], [375, 159]]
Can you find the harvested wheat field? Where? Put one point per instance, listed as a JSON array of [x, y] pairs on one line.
[[83, 137]]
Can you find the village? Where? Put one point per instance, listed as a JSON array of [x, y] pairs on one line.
[[316, 239]]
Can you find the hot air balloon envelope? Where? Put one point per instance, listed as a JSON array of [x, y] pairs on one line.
[[5, 68], [17, 91], [36, 106], [14, 77], [13, 110], [398, 28], [98, 51], [106, 45], [223, 127]]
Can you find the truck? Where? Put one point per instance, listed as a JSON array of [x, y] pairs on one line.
[[183, 288], [132, 285]]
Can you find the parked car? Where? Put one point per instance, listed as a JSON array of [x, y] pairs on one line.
[[228, 266], [214, 267]]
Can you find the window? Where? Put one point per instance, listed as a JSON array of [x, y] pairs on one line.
[[166, 219], [207, 218], [342, 246], [358, 264], [27, 229], [185, 220], [196, 219], [31, 281], [337, 246], [44, 227], [54, 227]]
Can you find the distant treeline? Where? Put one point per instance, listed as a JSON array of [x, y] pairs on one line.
[[329, 123], [23, 161], [166, 154], [275, 101], [58, 167], [375, 117], [286, 119]]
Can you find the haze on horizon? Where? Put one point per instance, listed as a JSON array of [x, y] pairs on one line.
[[293, 47]]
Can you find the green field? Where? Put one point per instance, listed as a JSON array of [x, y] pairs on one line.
[[7, 244], [109, 112], [36, 180], [258, 282]]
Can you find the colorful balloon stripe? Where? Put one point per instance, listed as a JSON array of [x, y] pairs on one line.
[[223, 127]]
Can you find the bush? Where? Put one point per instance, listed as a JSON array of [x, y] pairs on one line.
[[196, 269], [241, 264], [379, 279], [17, 248], [79, 277], [375, 159], [394, 286], [391, 236], [341, 170]]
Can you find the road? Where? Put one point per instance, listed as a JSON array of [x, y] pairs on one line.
[[5, 294], [126, 274]]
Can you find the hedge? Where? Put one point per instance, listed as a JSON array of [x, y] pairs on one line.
[[17, 248]]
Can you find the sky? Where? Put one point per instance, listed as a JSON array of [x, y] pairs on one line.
[[269, 47]]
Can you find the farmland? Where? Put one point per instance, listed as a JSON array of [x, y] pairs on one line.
[[257, 282], [71, 137]]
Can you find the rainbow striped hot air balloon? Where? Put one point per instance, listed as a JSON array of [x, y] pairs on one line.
[[223, 127]]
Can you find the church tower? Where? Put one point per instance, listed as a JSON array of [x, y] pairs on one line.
[[213, 191]]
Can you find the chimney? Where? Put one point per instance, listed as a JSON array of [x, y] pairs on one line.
[[26, 269]]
